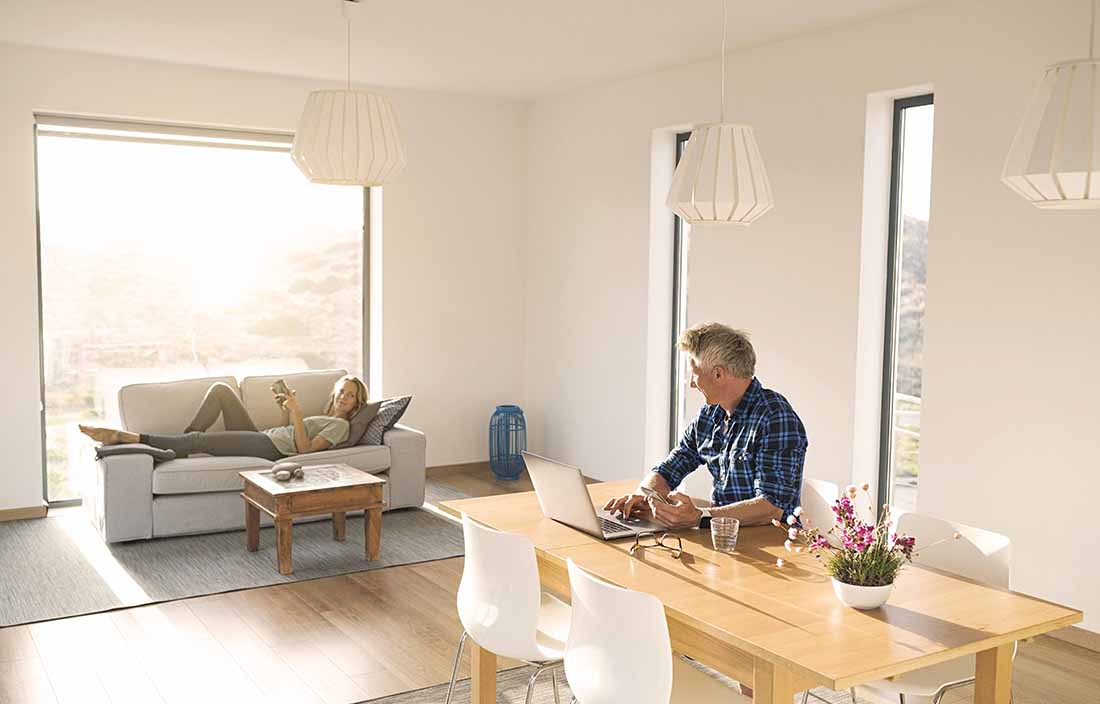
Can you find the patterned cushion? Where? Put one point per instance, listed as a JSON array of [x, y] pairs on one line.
[[357, 426], [389, 413]]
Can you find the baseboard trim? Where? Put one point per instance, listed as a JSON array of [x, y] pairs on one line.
[[18, 514], [462, 467], [1079, 637]]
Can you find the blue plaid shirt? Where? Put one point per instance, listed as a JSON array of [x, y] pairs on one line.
[[760, 452]]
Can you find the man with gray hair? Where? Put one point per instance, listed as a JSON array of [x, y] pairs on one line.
[[749, 437]]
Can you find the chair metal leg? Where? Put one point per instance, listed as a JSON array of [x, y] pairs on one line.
[[554, 679], [852, 691], [531, 683], [805, 696], [901, 698], [454, 670]]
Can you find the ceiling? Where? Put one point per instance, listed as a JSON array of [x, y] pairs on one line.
[[514, 49]]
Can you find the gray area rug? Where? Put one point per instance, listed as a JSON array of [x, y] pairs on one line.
[[512, 687], [58, 566]]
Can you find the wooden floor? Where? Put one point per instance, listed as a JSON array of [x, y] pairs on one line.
[[336, 640]]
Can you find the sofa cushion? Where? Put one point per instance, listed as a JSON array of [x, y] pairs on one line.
[[357, 426], [134, 448], [369, 458], [389, 413], [165, 407], [193, 475], [313, 390]]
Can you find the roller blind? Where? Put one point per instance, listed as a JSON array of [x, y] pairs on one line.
[[161, 133]]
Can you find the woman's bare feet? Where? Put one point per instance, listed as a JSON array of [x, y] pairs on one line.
[[107, 436]]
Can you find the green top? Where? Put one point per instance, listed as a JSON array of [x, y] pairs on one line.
[[333, 429]]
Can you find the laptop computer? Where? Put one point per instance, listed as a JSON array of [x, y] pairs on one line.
[[563, 497]]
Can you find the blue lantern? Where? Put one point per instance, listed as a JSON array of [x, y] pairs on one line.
[[507, 439]]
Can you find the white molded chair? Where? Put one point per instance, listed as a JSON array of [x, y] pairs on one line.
[[818, 498], [619, 650], [502, 607], [978, 554]]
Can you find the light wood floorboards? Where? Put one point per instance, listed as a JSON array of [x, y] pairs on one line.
[[330, 641]]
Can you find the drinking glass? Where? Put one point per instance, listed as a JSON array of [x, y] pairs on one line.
[[723, 533]]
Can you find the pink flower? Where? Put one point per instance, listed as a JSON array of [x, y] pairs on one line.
[[776, 523], [792, 533], [791, 520], [866, 487], [797, 511], [905, 543]]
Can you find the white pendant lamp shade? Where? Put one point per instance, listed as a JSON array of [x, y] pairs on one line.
[[348, 137], [721, 177], [1054, 161]]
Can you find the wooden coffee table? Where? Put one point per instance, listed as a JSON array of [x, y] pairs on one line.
[[329, 488]]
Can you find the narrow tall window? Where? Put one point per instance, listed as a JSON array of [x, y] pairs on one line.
[[680, 376], [907, 275], [171, 253]]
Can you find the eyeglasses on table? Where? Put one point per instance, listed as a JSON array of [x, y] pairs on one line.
[[659, 541]]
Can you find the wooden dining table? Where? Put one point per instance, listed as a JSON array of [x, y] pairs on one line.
[[778, 629]]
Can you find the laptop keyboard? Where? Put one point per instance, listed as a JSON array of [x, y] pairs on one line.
[[609, 526]]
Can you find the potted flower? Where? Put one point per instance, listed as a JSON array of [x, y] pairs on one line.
[[862, 558]]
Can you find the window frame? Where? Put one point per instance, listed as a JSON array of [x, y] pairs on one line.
[[893, 272], [678, 253], [187, 135]]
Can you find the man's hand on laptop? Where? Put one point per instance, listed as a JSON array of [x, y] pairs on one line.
[[630, 506], [679, 512]]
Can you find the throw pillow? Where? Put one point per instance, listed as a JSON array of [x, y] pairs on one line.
[[359, 423], [134, 448], [388, 414]]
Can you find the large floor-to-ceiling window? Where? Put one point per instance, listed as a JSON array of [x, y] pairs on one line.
[[907, 277], [177, 252]]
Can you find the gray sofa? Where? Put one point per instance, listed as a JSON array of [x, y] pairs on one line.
[[128, 497]]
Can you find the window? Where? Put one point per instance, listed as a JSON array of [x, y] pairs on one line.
[[907, 251], [171, 253], [680, 374]]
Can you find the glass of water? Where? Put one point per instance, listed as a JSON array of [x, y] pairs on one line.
[[723, 533]]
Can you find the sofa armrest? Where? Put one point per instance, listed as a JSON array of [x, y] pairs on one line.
[[118, 496], [407, 459]]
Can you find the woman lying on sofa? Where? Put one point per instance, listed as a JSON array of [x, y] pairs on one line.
[[241, 438]]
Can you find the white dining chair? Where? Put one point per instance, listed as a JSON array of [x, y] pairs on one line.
[[619, 650], [502, 607], [980, 555], [818, 498]]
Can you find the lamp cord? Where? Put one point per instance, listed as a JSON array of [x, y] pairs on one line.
[[724, 11], [1092, 31]]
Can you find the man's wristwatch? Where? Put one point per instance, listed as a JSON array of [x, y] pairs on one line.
[[704, 522]]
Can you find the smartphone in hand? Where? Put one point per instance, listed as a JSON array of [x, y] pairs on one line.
[[650, 493], [280, 388]]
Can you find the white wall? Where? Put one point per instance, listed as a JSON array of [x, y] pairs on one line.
[[1012, 322], [451, 251]]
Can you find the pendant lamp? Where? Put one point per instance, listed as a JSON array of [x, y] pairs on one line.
[[1054, 161], [348, 137], [721, 179]]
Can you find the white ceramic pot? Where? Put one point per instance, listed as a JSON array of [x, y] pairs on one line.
[[861, 597]]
